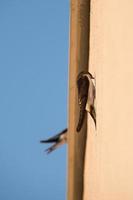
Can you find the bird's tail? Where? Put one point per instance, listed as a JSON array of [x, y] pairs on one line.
[[93, 114]]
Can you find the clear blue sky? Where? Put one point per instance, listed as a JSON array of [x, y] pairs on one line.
[[33, 97]]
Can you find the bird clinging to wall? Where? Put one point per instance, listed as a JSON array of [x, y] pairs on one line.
[[86, 97]]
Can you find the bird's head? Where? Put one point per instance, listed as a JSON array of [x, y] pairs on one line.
[[84, 73]]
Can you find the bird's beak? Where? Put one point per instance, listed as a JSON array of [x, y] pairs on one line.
[[92, 77]]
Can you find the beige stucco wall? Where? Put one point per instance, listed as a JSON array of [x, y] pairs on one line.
[[109, 152]]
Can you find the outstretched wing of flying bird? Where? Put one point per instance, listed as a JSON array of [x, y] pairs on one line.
[[58, 139]]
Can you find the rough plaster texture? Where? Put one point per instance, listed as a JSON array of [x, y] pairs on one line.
[[109, 152]]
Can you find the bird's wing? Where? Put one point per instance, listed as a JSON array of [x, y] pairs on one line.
[[83, 86], [55, 146], [55, 138]]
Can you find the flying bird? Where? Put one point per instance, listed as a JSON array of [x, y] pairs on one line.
[[58, 140], [86, 97]]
